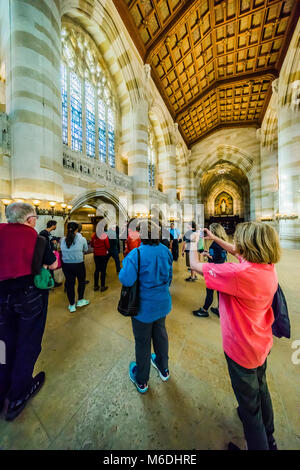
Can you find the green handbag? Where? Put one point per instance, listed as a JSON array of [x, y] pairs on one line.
[[44, 280]]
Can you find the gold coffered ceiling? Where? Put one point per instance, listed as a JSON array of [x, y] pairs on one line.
[[213, 61]]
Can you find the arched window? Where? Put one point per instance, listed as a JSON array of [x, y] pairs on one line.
[[88, 106], [151, 156]]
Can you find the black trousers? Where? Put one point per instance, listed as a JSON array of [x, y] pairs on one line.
[[143, 334], [23, 316], [175, 250], [209, 299], [71, 272], [255, 405], [115, 255], [100, 264]]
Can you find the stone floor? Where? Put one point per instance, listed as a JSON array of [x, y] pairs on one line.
[[88, 401]]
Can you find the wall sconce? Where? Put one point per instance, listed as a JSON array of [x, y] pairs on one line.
[[36, 203], [286, 216], [6, 202]]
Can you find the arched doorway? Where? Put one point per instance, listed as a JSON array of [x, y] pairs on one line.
[[94, 206], [224, 190]]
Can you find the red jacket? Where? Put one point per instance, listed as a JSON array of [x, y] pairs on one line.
[[100, 245], [133, 241]]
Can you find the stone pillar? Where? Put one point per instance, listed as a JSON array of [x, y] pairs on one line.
[[170, 167], [34, 99], [289, 144], [138, 155], [269, 159]]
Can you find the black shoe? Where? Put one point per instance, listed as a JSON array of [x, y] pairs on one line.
[[86, 282], [232, 446], [15, 408], [96, 288], [104, 288], [200, 313], [215, 311], [57, 284]]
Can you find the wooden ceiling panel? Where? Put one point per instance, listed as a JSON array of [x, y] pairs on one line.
[[212, 60]]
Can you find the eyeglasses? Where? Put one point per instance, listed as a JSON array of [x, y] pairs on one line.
[[36, 216]]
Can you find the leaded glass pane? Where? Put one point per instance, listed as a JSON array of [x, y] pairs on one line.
[[102, 131], [64, 100], [90, 119], [76, 112], [111, 137]]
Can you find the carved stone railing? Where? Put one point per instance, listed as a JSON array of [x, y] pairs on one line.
[[4, 134], [75, 162], [157, 197]]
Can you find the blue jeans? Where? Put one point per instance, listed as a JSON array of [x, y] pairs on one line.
[[22, 322]]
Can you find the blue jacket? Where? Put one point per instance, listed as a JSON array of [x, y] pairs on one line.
[[156, 272]]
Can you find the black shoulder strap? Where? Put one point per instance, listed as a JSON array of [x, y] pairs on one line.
[[39, 250], [139, 261]]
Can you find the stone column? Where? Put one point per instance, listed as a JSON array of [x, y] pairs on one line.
[[289, 144], [34, 99], [269, 159], [138, 155], [170, 167]]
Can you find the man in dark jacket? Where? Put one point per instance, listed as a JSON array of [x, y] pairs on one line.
[[51, 226], [114, 247], [23, 307]]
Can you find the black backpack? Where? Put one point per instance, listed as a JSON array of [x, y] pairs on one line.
[[129, 299], [281, 326]]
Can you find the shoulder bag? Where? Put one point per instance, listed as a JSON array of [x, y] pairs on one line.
[[129, 299]]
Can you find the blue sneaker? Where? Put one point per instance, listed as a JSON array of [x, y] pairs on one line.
[[164, 374], [142, 388]]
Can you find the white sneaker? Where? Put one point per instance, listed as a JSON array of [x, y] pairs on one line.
[[82, 303], [72, 308]]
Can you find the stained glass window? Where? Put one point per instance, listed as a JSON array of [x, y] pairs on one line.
[[84, 81], [76, 112], [64, 99], [90, 119], [111, 136], [102, 131]]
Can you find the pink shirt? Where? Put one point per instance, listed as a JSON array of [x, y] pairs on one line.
[[245, 305]]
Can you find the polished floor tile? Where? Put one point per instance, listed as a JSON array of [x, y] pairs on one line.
[[88, 401]]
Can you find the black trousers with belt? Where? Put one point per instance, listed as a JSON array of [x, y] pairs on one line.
[[255, 405], [143, 334], [22, 322]]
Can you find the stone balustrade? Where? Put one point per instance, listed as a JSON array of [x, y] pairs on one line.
[[157, 197], [97, 171]]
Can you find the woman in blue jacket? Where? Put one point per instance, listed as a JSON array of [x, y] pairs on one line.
[[155, 303]]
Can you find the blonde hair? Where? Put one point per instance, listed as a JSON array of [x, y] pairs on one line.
[[218, 231], [257, 242]]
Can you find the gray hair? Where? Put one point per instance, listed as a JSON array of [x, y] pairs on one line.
[[18, 212]]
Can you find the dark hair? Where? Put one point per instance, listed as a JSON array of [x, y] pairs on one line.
[[193, 225], [71, 227], [150, 232], [50, 223]]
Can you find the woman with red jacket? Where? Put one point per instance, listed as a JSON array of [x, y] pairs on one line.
[[101, 247]]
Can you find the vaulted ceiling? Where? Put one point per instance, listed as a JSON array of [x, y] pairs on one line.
[[213, 61]]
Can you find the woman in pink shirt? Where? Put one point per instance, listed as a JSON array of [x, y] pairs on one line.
[[246, 291]]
